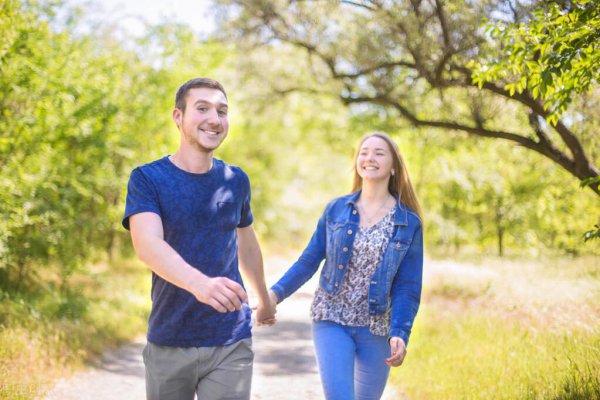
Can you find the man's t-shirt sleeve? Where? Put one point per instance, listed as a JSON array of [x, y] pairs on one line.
[[246, 217], [141, 196]]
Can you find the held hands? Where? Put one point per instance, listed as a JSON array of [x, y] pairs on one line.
[[220, 293], [398, 350], [265, 311]]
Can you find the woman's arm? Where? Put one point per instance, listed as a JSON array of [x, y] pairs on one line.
[[406, 289], [306, 266]]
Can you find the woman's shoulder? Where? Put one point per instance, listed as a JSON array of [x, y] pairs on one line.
[[412, 218], [344, 200]]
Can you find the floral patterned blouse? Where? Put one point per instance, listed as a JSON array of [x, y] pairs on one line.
[[350, 307]]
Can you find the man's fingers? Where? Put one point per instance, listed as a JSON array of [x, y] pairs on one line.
[[224, 295], [227, 300], [237, 289], [217, 306], [233, 298]]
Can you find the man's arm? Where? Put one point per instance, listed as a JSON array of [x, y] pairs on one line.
[[251, 265], [147, 235]]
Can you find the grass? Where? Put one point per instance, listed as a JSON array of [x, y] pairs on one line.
[[46, 333], [506, 330]]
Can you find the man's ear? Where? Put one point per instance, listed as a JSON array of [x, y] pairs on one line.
[[177, 116]]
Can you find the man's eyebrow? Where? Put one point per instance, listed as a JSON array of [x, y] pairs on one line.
[[220, 105]]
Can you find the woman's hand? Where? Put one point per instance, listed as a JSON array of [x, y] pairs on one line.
[[266, 313], [398, 350]]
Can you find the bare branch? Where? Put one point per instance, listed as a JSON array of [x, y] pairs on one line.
[[368, 70], [443, 23], [356, 4]]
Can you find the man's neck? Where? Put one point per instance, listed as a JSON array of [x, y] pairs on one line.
[[194, 162]]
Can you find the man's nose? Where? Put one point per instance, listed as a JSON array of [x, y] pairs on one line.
[[213, 117]]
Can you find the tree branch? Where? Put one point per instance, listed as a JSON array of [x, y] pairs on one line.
[[550, 152]]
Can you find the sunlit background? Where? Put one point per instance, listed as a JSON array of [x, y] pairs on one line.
[[512, 293]]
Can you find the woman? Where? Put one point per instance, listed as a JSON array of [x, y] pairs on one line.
[[370, 286]]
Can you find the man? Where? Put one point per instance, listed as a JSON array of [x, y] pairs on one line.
[[190, 221]]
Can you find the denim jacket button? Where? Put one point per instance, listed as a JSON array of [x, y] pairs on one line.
[[398, 244], [345, 249], [336, 285], [340, 266], [349, 231], [353, 212]]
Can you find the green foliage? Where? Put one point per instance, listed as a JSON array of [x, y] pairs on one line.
[[483, 197], [593, 233], [72, 107], [553, 55]]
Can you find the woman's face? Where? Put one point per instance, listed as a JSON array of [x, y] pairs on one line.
[[374, 161]]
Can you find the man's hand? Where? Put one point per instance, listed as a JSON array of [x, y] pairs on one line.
[[398, 350], [147, 234], [220, 293]]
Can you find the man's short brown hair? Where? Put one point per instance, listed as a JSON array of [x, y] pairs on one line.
[[183, 90]]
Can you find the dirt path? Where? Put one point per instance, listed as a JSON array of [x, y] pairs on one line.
[[284, 367]]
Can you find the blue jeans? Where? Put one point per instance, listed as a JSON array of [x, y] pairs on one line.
[[351, 361]]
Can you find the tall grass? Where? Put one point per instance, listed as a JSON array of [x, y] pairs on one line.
[[470, 343], [48, 332]]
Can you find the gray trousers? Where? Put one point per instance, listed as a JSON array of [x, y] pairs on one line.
[[177, 373]]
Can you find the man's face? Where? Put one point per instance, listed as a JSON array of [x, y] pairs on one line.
[[204, 124]]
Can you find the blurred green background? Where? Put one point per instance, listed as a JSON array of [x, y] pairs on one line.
[[495, 106]]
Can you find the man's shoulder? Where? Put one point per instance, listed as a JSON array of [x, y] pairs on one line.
[[231, 171], [152, 165], [153, 170]]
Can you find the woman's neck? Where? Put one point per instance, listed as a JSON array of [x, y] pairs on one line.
[[374, 193]]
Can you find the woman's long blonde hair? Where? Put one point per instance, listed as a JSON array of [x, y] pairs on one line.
[[399, 183]]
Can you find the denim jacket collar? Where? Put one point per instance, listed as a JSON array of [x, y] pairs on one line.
[[400, 216]]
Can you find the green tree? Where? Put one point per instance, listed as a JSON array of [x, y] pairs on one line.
[[72, 107], [555, 54], [412, 58]]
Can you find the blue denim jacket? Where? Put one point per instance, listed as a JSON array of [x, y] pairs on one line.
[[397, 280]]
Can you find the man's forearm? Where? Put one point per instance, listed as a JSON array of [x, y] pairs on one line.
[[221, 293], [251, 266], [166, 262], [251, 262]]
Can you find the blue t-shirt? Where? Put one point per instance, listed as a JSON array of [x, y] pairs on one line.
[[200, 214]]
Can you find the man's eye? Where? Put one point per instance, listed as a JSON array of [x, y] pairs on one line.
[[222, 113], [202, 109]]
